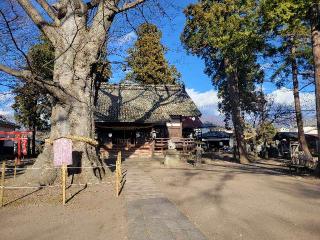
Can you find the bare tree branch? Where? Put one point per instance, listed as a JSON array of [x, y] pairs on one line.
[[93, 3], [103, 19], [38, 19], [28, 76], [128, 5], [107, 9], [16, 73], [7, 22], [50, 11], [307, 85], [52, 87]]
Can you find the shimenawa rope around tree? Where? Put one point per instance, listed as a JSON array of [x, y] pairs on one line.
[[76, 138]]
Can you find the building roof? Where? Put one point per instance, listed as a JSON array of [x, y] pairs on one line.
[[5, 123], [143, 103], [291, 136], [216, 135]]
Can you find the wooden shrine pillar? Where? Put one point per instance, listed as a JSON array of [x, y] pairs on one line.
[[175, 127]]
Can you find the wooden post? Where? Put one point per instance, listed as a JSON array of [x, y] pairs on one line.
[[120, 169], [118, 174], [152, 146], [15, 169], [3, 173], [64, 167], [117, 178]]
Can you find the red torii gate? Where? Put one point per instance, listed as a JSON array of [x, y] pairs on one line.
[[21, 137]]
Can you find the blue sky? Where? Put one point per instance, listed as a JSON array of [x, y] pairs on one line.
[[191, 67], [198, 84]]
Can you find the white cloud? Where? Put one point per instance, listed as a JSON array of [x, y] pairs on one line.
[[203, 99], [284, 96], [127, 39], [266, 66], [207, 102], [6, 101]]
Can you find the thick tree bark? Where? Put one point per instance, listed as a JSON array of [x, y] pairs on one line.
[[237, 120], [315, 37], [70, 119], [72, 112], [46, 175], [77, 42], [299, 119], [73, 119]]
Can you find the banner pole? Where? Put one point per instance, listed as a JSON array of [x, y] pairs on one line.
[[3, 173], [15, 169], [63, 183], [117, 175], [120, 163]]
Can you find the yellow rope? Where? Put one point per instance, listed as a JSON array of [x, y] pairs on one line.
[[76, 138]]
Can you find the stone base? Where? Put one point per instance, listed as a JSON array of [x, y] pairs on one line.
[[172, 158]]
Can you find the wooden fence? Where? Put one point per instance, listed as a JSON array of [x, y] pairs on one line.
[[119, 180], [182, 144]]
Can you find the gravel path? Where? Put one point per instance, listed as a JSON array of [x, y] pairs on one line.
[[151, 216]]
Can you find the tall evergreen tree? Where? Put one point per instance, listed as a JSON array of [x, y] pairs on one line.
[[32, 109], [147, 61], [313, 11], [226, 35], [285, 22], [32, 104]]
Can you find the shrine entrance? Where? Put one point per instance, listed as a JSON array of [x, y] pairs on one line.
[[20, 138]]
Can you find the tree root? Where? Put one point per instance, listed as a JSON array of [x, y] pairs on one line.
[[86, 168]]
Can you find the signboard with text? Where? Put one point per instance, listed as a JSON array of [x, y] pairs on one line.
[[62, 152]]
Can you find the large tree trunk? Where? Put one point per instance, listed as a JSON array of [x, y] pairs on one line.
[[237, 120], [315, 31], [78, 32], [73, 109], [76, 119], [295, 81], [71, 119], [241, 150]]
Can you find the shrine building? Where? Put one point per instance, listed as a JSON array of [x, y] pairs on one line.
[[141, 118]]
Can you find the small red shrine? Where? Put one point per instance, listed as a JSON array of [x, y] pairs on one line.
[[19, 137]]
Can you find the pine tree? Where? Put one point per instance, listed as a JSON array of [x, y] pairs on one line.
[[147, 61], [226, 35], [313, 10], [285, 22]]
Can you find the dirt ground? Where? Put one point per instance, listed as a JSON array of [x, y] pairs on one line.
[[224, 200], [231, 201], [91, 213]]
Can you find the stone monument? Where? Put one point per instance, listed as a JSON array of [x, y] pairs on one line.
[[172, 158]]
